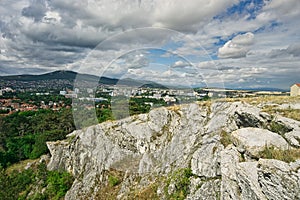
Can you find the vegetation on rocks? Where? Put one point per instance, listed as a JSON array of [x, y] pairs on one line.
[[289, 155], [180, 180], [158, 147], [34, 183], [225, 138]]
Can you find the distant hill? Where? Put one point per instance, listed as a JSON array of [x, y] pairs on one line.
[[61, 74], [71, 76]]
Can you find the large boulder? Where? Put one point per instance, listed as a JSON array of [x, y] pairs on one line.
[[254, 140]]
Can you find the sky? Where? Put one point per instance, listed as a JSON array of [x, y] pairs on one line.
[[232, 44]]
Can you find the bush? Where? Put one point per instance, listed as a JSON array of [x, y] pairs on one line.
[[113, 180], [181, 180], [58, 184], [18, 184]]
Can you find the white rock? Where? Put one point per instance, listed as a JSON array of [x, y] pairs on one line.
[[254, 140], [206, 160], [229, 185]]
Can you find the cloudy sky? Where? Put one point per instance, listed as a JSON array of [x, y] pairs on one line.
[[235, 44]]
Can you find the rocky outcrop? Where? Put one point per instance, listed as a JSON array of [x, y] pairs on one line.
[[254, 140], [179, 153]]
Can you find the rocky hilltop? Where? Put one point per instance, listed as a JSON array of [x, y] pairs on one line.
[[222, 150]]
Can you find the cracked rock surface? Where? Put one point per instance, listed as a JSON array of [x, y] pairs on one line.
[[145, 152]]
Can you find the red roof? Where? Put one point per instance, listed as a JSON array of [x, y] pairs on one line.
[[298, 84]]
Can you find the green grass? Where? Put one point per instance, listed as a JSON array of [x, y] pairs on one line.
[[278, 128], [113, 180], [34, 183], [181, 180]]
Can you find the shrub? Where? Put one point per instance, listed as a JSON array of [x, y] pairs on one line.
[[113, 180], [181, 180], [58, 184]]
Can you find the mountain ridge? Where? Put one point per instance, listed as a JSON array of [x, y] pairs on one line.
[[72, 76]]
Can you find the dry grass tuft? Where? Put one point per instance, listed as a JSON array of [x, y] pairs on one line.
[[226, 138], [289, 155]]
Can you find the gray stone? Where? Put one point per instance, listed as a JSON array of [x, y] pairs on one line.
[[229, 184], [254, 140], [278, 180], [206, 160]]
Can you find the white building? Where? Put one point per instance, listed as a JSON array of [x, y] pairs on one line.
[[295, 89], [62, 92]]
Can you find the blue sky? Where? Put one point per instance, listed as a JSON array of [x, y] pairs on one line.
[[238, 44]]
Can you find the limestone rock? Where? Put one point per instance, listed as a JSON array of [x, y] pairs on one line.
[[206, 160], [254, 140], [247, 178], [145, 150], [278, 180], [229, 184], [205, 189]]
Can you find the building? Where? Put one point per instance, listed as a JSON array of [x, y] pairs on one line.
[[295, 89], [63, 92]]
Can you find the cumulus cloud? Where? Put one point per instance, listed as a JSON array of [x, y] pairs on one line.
[[237, 47], [181, 64], [49, 35]]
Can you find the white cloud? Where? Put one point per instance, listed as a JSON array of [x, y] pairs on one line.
[[244, 40], [237, 47], [282, 10], [181, 64]]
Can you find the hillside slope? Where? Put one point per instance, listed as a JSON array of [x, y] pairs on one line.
[[215, 151]]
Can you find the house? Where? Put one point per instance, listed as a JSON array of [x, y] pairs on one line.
[[295, 89]]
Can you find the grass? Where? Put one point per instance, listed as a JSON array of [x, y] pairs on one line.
[[149, 192], [34, 183], [20, 166], [289, 155], [264, 99], [175, 108], [181, 179], [110, 189], [289, 113], [206, 104], [226, 138], [278, 128]]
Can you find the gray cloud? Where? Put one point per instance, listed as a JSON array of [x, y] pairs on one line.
[[36, 10], [56, 34], [292, 50]]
